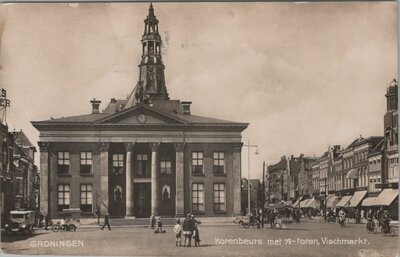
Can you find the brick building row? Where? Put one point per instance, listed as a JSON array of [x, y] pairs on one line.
[[19, 178]]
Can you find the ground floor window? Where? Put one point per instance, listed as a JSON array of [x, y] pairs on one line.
[[86, 197], [219, 197], [63, 197], [198, 197]]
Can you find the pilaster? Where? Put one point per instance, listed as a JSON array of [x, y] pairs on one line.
[[155, 198], [104, 148], [179, 176], [44, 177]]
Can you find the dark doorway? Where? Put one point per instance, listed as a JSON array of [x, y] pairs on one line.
[[142, 198]]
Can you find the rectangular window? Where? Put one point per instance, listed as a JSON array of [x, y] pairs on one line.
[[63, 162], [86, 162], [197, 197], [219, 162], [19, 184], [142, 161], [118, 163], [165, 167], [63, 197], [197, 162], [86, 198], [219, 197]]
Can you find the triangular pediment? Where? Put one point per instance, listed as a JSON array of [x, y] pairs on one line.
[[142, 114]]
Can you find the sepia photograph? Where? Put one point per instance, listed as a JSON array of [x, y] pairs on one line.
[[199, 128]]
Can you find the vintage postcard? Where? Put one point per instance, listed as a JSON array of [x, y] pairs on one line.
[[199, 128]]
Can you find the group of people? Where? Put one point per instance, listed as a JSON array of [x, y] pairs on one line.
[[41, 221], [379, 218], [189, 229]]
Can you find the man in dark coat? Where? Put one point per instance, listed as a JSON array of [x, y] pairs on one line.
[[47, 222], [272, 218], [191, 226], [186, 231], [106, 222]]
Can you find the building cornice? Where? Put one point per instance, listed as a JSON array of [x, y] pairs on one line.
[[138, 127]]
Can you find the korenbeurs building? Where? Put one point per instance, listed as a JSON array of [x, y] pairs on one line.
[[143, 155]]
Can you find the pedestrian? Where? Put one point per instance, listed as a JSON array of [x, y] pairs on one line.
[[47, 222], [186, 231], [178, 232], [106, 221], [272, 218], [97, 212], [196, 235], [159, 228], [152, 221], [261, 215]]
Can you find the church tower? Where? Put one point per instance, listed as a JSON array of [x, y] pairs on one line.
[[390, 118], [151, 82], [390, 162]]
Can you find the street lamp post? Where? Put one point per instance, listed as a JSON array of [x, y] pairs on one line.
[[248, 171], [325, 199], [263, 196]]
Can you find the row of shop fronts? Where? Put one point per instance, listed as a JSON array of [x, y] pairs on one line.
[[388, 199], [365, 174]]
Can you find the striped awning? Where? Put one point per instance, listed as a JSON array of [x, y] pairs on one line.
[[304, 203], [357, 198], [331, 201], [369, 201], [296, 204], [312, 203], [345, 201], [386, 197]]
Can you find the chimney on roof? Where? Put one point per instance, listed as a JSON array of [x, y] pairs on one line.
[[186, 107], [113, 100], [95, 106]]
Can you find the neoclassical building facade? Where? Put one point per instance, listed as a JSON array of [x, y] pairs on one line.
[[141, 156]]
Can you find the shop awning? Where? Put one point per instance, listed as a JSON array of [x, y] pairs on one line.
[[296, 204], [386, 197], [369, 201], [357, 198], [344, 201], [312, 203], [331, 201], [304, 203], [352, 174]]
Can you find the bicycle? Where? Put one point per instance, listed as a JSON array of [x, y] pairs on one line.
[[387, 230]]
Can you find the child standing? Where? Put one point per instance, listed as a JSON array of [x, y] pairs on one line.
[[178, 232], [196, 235]]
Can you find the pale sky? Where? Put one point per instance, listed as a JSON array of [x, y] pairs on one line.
[[304, 75]]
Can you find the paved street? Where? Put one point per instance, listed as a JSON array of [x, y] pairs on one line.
[[304, 239]]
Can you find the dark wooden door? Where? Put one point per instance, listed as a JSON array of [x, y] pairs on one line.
[[142, 198]]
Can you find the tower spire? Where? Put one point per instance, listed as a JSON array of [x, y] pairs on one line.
[[151, 82], [151, 10]]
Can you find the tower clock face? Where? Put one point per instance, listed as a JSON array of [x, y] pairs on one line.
[[142, 118]]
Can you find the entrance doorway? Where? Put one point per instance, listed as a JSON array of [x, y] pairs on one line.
[[142, 198]]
